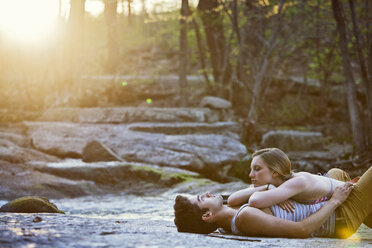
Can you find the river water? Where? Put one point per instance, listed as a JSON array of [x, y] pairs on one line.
[[119, 206]]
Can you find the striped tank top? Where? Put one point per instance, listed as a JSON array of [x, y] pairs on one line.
[[301, 212]]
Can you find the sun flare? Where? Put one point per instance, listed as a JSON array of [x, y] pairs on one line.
[[26, 20]]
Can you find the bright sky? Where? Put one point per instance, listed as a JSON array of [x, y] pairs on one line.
[[34, 20]]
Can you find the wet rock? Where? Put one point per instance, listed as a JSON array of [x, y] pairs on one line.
[[95, 151], [31, 204], [290, 140], [130, 115], [18, 180], [215, 103], [56, 230], [119, 175]]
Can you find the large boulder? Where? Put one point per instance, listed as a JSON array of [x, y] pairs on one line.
[[193, 151], [290, 140]]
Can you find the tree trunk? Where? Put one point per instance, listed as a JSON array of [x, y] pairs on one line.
[[201, 54], [363, 71], [183, 51], [214, 31], [75, 38], [264, 68], [111, 25], [355, 120], [129, 11]]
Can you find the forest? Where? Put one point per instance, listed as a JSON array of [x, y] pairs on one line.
[[249, 52]]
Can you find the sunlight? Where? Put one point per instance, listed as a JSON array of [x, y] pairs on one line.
[[27, 21]]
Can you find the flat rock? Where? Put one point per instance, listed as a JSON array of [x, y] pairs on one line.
[[14, 153], [118, 174], [130, 115], [231, 129], [215, 103], [290, 140], [18, 180], [56, 230], [197, 152]]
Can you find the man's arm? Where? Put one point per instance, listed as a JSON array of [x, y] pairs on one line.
[[241, 197], [254, 222]]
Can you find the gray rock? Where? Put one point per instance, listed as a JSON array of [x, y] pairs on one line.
[[215, 103], [58, 230], [95, 151], [13, 153], [130, 114], [120, 175], [195, 151], [289, 140], [18, 139], [231, 129], [30, 204], [18, 180]]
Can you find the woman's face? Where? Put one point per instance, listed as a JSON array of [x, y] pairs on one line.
[[260, 173]]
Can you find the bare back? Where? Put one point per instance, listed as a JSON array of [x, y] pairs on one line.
[[315, 186]]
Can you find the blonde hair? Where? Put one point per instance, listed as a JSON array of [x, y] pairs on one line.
[[276, 160]]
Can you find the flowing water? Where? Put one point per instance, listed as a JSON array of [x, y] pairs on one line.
[[120, 206]]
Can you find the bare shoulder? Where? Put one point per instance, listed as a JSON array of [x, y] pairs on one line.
[[247, 220], [300, 179], [254, 222]]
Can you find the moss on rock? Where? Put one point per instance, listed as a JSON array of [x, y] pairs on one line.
[[30, 204]]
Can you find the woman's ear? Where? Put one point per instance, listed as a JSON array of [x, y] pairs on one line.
[[275, 174], [207, 216]]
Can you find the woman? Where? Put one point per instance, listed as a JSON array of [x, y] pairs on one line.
[[336, 217], [274, 183]]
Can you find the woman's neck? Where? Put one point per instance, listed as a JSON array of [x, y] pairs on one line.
[[277, 181]]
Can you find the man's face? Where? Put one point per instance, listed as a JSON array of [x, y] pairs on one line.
[[260, 173], [208, 201]]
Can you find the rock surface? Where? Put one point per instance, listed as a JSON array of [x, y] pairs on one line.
[[54, 230], [290, 140], [130, 115], [197, 152]]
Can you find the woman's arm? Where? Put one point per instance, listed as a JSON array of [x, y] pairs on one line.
[[277, 195], [254, 222], [241, 197]]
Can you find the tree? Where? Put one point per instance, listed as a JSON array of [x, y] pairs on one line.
[[183, 51], [75, 37], [361, 140], [212, 19], [112, 44]]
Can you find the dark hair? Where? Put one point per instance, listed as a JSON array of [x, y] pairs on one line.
[[188, 217]]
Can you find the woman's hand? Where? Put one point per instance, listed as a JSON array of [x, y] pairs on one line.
[[287, 205], [341, 193]]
